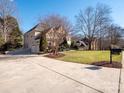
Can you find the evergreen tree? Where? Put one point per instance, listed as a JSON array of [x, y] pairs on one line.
[[16, 38], [43, 43], [14, 35], [1, 40]]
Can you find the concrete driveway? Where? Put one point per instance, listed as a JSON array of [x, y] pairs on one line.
[[38, 74]]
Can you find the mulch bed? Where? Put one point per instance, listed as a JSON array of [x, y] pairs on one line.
[[55, 56], [107, 64]]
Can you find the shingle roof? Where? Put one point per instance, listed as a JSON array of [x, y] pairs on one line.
[[37, 27], [46, 30]]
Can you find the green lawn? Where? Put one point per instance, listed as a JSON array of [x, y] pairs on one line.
[[88, 57]]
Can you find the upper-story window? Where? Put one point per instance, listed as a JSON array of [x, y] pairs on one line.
[[37, 33]]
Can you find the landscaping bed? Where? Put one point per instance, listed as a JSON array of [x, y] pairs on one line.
[[107, 64], [55, 56]]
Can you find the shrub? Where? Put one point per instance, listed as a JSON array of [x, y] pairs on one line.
[[63, 46], [43, 44]]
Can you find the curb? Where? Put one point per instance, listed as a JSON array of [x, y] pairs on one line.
[[121, 80]]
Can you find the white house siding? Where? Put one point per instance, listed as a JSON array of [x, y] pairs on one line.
[[30, 41]]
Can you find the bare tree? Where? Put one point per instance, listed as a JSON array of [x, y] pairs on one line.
[[7, 9], [114, 34], [56, 37], [55, 21], [93, 22], [59, 29]]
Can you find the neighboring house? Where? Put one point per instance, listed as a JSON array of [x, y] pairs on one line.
[[95, 45], [83, 44], [32, 37]]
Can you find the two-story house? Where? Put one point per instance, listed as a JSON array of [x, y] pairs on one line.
[[32, 37]]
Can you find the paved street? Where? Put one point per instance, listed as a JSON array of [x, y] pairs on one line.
[[37, 74]]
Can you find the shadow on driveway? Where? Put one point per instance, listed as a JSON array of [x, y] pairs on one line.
[[94, 67]]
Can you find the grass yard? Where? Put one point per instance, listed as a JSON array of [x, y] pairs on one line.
[[88, 57]]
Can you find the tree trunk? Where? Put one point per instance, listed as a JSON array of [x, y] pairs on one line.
[[100, 44], [4, 30], [90, 44]]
